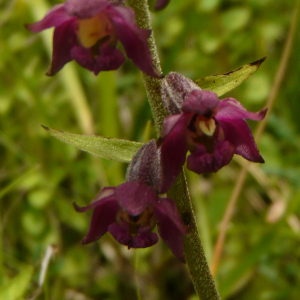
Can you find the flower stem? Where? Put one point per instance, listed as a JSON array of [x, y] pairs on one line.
[[193, 250], [153, 85]]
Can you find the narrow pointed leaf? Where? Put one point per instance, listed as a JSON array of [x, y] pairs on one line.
[[109, 148], [223, 83]]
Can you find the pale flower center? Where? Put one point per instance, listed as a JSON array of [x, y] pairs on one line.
[[208, 127], [91, 30]]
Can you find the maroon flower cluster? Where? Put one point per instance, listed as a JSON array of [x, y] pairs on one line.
[[132, 210], [212, 130]]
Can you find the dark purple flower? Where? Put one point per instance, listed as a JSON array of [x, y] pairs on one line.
[[132, 210], [212, 130], [88, 31], [160, 4]]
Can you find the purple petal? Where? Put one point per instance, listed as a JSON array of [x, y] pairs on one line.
[[239, 134], [173, 149], [145, 238], [107, 59], [64, 39], [170, 122], [170, 226], [175, 89], [201, 102], [121, 233], [160, 4], [202, 161], [145, 165], [85, 9], [134, 196], [55, 17], [104, 214], [230, 108], [105, 193], [133, 38]]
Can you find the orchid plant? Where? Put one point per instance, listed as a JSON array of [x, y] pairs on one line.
[[188, 116]]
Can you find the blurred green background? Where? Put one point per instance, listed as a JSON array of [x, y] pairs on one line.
[[40, 176]]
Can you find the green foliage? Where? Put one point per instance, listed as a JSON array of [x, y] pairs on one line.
[[224, 83], [41, 177], [109, 148]]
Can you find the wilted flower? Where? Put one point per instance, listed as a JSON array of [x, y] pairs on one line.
[[211, 129], [88, 31], [132, 210], [160, 4]]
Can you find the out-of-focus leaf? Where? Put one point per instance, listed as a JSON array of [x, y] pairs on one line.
[[16, 182], [109, 148], [235, 19], [16, 288], [223, 83], [233, 280]]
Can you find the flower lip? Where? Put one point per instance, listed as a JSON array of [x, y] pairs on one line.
[[103, 58], [204, 161]]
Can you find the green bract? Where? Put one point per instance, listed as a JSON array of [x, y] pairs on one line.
[[223, 83], [109, 148]]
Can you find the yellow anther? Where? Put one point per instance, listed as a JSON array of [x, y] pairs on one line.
[[208, 127]]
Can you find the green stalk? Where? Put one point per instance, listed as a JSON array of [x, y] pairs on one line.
[[153, 85], [193, 250]]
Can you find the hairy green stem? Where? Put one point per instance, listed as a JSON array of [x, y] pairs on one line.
[[153, 85], [193, 250]]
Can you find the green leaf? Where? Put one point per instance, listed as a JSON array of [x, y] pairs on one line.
[[223, 83], [16, 287], [109, 148]]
